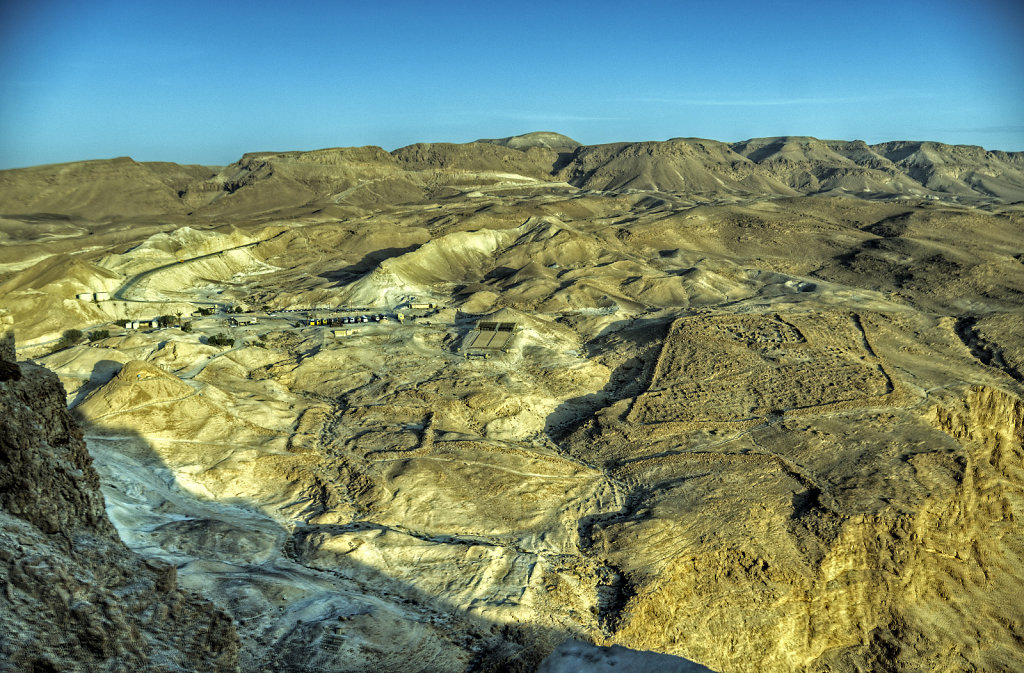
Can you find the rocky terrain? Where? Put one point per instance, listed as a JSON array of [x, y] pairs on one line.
[[74, 597], [761, 406]]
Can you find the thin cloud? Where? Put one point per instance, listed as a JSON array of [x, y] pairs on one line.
[[1012, 128], [466, 114], [768, 102], [564, 118]]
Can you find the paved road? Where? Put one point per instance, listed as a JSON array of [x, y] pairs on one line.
[[121, 293]]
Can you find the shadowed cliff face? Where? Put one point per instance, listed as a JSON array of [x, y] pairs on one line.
[[74, 597], [760, 408]]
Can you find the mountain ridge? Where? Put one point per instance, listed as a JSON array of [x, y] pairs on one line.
[[369, 176]]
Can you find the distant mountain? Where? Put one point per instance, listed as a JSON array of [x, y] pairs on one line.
[[682, 165], [97, 189], [801, 165], [961, 169], [901, 167], [531, 160], [370, 177], [544, 139]]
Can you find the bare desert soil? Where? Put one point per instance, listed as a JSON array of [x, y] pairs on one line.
[[762, 407]]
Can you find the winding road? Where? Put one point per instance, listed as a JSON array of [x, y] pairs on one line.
[[121, 294]]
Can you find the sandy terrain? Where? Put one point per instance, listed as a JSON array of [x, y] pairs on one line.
[[761, 407]]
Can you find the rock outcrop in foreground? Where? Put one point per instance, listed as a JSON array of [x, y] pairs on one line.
[[72, 596]]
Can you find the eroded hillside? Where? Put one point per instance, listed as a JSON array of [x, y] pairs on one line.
[[760, 405]]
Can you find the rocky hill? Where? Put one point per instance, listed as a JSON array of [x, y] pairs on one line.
[[99, 189], [75, 598], [552, 141]]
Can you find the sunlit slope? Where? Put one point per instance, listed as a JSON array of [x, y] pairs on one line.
[[144, 282], [809, 455], [542, 139], [351, 180], [701, 167], [98, 189]]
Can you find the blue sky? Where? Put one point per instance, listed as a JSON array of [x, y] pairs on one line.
[[204, 82]]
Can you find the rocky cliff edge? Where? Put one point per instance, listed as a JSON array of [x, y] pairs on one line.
[[72, 596]]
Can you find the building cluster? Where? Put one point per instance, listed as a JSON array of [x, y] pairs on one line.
[[142, 324], [345, 320], [93, 296]]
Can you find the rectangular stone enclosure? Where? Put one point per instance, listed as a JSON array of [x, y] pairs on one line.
[[715, 369], [489, 337]]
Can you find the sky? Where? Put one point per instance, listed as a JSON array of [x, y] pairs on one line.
[[205, 82]]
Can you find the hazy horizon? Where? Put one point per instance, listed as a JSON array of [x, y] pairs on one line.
[[205, 84]]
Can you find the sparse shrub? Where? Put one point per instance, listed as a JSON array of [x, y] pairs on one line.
[[186, 326], [71, 337], [206, 311], [165, 320], [220, 340], [98, 335]]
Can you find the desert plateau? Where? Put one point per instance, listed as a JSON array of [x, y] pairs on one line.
[[758, 405]]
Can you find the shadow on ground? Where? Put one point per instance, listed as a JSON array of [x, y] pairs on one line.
[[102, 371], [294, 618], [641, 340], [368, 263]]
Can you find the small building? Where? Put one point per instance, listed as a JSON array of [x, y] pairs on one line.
[[421, 305], [84, 296], [102, 296], [343, 332], [154, 323]]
